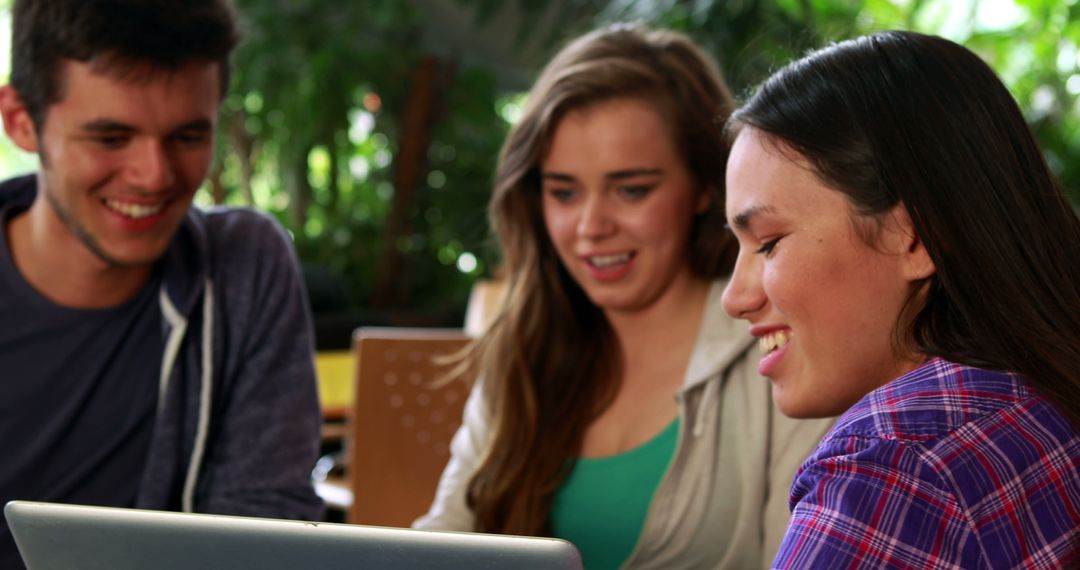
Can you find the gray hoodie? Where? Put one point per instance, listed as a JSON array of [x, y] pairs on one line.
[[237, 427]]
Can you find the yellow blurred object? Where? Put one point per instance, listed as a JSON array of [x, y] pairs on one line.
[[335, 370]]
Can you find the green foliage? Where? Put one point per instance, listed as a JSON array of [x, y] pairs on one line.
[[450, 218], [313, 128]]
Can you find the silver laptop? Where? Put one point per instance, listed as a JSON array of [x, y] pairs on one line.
[[52, 536]]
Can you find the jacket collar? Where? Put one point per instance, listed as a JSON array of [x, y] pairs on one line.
[[721, 340]]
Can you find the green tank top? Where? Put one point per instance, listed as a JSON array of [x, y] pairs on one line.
[[601, 506]]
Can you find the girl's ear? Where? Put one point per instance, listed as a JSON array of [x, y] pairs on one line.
[[18, 124], [916, 263]]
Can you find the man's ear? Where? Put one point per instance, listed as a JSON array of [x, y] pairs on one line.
[[916, 263], [18, 124]]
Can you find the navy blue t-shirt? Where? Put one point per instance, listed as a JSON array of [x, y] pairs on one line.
[[78, 390]]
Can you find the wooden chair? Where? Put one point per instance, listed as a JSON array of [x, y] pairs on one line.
[[401, 424]]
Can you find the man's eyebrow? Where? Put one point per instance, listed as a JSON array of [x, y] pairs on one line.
[[196, 125], [742, 220], [111, 126], [107, 126]]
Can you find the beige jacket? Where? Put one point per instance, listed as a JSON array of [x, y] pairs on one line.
[[724, 500]]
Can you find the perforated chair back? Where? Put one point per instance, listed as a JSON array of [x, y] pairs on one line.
[[401, 424]]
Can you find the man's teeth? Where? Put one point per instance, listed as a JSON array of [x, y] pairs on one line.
[[134, 211], [773, 341], [603, 261]]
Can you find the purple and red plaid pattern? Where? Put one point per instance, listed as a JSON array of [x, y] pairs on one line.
[[948, 466]]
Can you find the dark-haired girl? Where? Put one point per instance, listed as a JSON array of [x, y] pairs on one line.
[[906, 256]]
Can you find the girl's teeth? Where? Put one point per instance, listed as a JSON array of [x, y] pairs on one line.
[[134, 211], [603, 261], [773, 341]]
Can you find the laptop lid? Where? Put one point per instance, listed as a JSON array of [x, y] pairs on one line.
[[68, 536]]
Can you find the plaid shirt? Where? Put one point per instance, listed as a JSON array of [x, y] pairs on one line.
[[948, 466]]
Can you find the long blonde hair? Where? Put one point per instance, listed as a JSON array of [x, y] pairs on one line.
[[549, 361]]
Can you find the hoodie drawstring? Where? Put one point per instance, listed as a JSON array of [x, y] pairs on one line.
[[177, 328], [188, 498]]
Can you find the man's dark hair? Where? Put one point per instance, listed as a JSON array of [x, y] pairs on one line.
[[119, 36]]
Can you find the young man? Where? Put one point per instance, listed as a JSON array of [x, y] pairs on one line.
[[152, 355]]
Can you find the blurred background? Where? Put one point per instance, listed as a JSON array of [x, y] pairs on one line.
[[370, 128]]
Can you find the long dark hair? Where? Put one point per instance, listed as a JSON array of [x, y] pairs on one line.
[[905, 117], [549, 360]]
